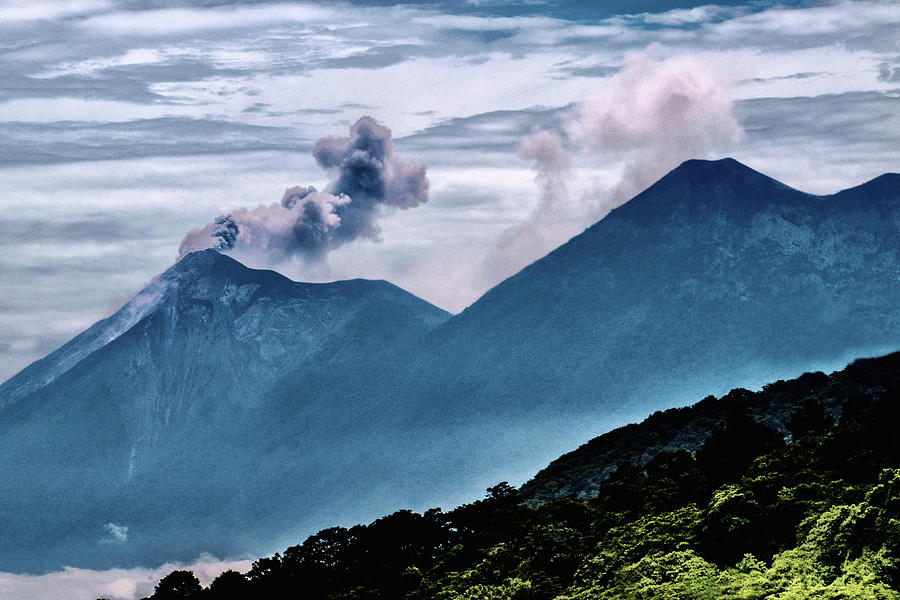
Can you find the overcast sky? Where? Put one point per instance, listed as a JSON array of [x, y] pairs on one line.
[[126, 123]]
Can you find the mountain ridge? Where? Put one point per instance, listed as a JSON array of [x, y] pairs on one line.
[[726, 266], [176, 390], [242, 397], [207, 265]]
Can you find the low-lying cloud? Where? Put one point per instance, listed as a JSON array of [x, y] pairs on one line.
[[366, 179], [117, 584]]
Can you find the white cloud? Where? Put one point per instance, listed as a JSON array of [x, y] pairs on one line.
[[135, 56], [12, 11], [118, 533], [837, 69], [691, 16], [173, 21], [486, 23], [842, 19], [116, 584], [50, 110]]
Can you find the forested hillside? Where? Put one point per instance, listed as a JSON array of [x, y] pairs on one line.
[[748, 515], [581, 471]]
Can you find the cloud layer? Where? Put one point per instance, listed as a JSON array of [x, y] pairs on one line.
[[200, 109], [115, 584]]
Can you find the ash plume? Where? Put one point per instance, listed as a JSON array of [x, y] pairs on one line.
[[225, 231], [365, 180]]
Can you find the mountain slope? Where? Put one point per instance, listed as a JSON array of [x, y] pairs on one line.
[[744, 516], [154, 429], [229, 410], [715, 277]]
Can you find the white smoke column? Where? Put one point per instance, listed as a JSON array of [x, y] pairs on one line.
[[657, 114], [366, 179], [552, 167], [550, 223]]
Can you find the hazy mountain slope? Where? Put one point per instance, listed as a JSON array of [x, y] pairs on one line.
[[156, 429], [745, 516], [230, 410], [716, 276]]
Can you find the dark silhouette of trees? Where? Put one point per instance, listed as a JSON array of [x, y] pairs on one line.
[[178, 585], [731, 449], [810, 419], [229, 585]]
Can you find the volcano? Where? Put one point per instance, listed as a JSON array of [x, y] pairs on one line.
[[232, 411]]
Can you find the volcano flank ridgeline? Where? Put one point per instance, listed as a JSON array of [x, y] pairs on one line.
[[232, 411]]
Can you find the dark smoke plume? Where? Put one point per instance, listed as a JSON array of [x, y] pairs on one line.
[[365, 180], [224, 232]]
